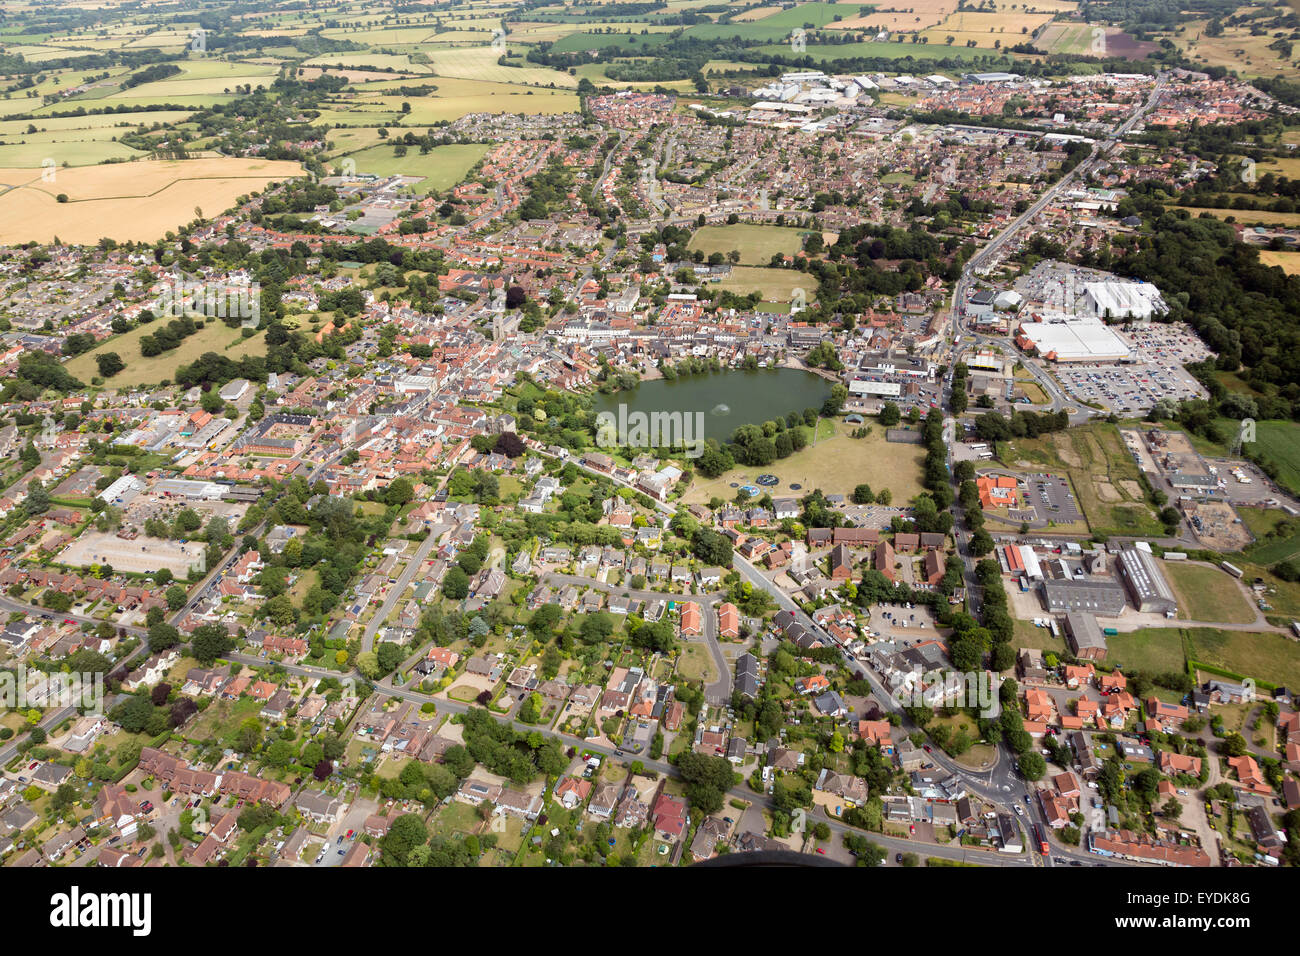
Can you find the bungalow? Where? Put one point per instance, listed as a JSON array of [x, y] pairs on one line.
[[852, 790]]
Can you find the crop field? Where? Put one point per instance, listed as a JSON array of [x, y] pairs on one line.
[[1089, 39], [835, 465], [756, 244], [1068, 38], [199, 77], [373, 61], [1288, 262], [985, 28], [480, 63], [97, 126], [451, 100], [825, 54], [1101, 471], [441, 168], [88, 153], [918, 15], [140, 200], [628, 42]]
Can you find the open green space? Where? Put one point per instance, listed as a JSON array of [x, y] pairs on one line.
[[1208, 594], [756, 244]]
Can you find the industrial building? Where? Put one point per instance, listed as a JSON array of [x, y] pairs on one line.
[[1146, 582], [1084, 636], [1122, 300], [1104, 598]]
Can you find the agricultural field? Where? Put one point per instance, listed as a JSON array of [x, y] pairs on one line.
[[480, 63], [73, 141], [1061, 37], [36, 154], [1272, 543], [440, 168], [127, 201], [1288, 262], [630, 43], [918, 15], [1089, 39], [1250, 217], [1104, 475], [1207, 594], [836, 464], [825, 54], [215, 336], [986, 28], [756, 244]]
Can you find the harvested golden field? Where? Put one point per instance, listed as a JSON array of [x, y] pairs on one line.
[[920, 15], [140, 200], [1250, 216], [1289, 261], [987, 28]]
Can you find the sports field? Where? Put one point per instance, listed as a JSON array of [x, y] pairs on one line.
[[140, 200], [756, 244], [836, 465]]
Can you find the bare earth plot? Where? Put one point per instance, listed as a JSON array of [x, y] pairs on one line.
[[142, 555]]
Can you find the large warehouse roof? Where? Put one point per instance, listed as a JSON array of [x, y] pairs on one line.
[[1075, 341], [1118, 299]]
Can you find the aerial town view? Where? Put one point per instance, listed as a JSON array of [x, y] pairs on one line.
[[650, 433]]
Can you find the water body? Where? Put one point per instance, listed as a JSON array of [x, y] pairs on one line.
[[727, 399]]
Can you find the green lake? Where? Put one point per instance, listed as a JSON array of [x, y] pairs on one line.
[[727, 399]]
